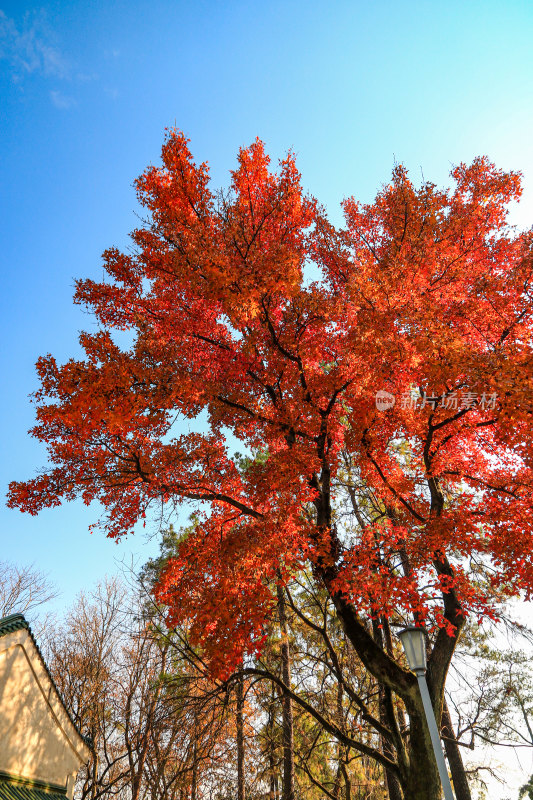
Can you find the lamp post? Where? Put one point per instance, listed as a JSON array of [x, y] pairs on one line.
[[414, 644]]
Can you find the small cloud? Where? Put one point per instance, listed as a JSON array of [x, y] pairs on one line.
[[112, 93], [28, 48], [61, 101], [85, 77]]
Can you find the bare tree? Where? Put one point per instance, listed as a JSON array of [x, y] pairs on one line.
[[25, 590]]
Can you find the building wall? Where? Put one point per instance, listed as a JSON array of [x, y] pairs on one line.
[[37, 738]]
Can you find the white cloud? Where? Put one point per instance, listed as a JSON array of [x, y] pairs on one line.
[[61, 101], [29, 48], [85, 77]]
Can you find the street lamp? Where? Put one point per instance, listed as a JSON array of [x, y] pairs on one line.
[[414, 644]]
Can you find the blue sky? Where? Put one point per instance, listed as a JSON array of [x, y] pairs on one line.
[[88, 88]]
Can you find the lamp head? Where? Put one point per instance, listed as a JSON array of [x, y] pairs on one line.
[[414, 644]]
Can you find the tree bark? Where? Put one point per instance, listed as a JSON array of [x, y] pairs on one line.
[[272, 793], [94, 783], [347, 783], [240, 737], [386, 715], [288, 732], [394, 787], [418, 773], [272, 777], [418, 776], [422, 781], [194, 780], [340, 749], [455, 760]]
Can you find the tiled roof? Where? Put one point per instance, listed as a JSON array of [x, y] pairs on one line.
[[13, 623], [16, 790], [17, 622]]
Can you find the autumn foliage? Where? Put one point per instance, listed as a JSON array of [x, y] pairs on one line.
[[424, 294]]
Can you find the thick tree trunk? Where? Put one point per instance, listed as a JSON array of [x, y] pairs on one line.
[[455, 760], [417, 772], [418, 775], [394, 787], [240, 737], [288, 734], [422, 780]]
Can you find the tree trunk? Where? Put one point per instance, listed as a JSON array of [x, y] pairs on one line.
[[394, 787], [422, 779], [272, 777], [288, 734], [240, 737], [418, 773], [455, 760], [340, 748], [347, 783], [419, 778], [336, 791], [387, 714], [272, 794], [94, 782], [194, 780]]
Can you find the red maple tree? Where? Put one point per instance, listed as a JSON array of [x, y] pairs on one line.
[[387, 406]]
